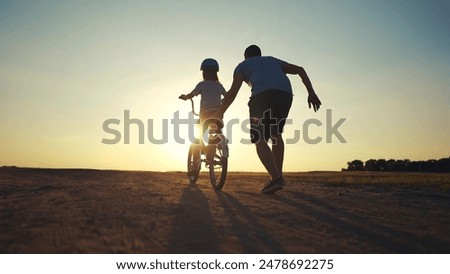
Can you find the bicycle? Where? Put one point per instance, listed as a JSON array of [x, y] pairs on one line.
[[215, 156]]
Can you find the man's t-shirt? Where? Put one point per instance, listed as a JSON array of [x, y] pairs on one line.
[[264, 73], [211, 92]]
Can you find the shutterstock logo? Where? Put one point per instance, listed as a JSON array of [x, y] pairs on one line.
[[183, 129]]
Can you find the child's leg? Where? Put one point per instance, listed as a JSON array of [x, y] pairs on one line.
[[197, 148], [196, 153]]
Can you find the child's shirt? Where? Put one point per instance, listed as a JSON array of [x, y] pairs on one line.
[[211, 92]]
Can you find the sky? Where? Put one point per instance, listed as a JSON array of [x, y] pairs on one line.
[[66, 67]]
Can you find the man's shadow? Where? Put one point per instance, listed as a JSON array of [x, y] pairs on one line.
[[251, 234], [389, 239]]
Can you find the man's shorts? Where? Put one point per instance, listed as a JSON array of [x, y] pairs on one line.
[[268, 113]]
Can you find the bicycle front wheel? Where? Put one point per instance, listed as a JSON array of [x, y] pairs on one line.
[[218, 169], [193, 164]]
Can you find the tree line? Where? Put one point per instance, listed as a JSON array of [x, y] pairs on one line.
[[432, 165]]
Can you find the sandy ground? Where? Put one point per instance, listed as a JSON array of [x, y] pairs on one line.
[[92, 211]]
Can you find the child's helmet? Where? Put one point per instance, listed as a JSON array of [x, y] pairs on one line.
[[209, 63]]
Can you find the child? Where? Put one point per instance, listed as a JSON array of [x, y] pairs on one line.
[[211, 91]]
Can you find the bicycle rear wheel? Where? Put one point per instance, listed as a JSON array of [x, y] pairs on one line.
[[218, 169], [193, 165]]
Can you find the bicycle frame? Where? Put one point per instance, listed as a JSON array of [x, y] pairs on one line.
[[216, 160]]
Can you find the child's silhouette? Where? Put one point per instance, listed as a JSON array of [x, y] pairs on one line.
[[211, 92]]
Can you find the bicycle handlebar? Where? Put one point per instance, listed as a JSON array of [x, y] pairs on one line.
[[193, 109], [192, 105]]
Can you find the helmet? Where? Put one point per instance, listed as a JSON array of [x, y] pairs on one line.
[[209, 63]]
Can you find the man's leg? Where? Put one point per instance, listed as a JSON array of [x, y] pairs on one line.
[[282, 103], [259, 132], [267, 159], [278, 151]]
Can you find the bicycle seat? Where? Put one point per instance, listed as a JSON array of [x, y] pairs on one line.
[[215, 131]]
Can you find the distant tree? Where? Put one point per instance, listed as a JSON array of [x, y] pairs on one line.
[[402, 165], [381, 164], [443, 165], [391, 165], [355, 165], [432, 165], [371, 165], [415, 166]]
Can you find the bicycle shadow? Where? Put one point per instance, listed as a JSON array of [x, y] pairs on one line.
[[193, 229], [252, 236]]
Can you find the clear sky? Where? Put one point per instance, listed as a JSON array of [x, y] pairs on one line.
[[67, 66]]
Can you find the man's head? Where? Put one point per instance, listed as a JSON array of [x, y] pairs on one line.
[[252, 51]]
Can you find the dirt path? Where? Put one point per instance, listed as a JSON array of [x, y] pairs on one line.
[[91, 211]]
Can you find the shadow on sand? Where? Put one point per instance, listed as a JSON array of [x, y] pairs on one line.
[[193, 229], [252, 235], [383, 238]]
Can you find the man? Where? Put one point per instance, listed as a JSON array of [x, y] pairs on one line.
[[269, 106]]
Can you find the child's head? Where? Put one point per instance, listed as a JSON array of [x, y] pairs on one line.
[[210, 67]]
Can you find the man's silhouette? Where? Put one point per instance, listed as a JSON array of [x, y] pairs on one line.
[[269, 106]]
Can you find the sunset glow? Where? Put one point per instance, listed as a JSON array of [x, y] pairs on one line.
[[66, 67]]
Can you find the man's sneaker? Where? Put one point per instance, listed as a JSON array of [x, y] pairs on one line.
[[273, 186]]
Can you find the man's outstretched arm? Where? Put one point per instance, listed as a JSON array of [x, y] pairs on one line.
[[231, 94], [313, 99]]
